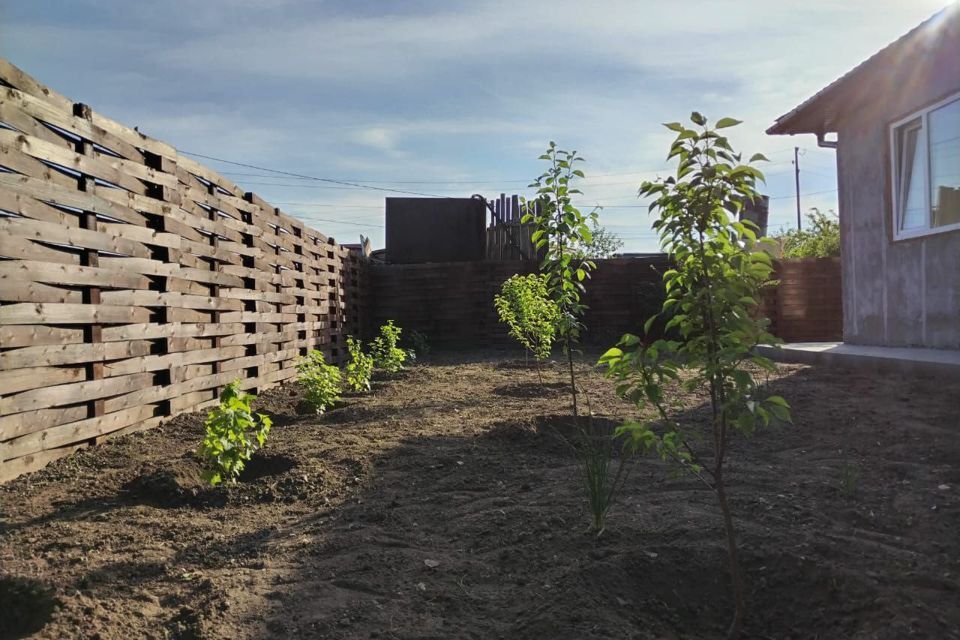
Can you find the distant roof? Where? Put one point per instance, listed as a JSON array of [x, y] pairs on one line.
[[819, 114]]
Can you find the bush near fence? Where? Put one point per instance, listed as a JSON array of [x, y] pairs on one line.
[[135, 282]]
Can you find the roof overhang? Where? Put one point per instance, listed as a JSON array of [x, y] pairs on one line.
[[821, 113]]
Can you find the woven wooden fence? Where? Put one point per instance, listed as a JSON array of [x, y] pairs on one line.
[[135, 282]]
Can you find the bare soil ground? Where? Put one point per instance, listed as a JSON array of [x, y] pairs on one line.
[[442, 506]]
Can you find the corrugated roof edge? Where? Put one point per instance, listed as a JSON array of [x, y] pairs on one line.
[[782, 125]]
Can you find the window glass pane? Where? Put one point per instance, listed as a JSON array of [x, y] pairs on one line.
[[911, 179], [945, 164]]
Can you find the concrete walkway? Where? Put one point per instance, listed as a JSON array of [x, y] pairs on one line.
[[941, 363]]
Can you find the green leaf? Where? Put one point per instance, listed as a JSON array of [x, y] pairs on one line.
[[698, 119], [723, 123], [611, 354], [758, 157], [649, 323]]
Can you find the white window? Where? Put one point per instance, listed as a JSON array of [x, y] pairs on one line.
[[926, 170]]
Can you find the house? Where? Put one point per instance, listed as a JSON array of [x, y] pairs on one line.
[[896, 120]]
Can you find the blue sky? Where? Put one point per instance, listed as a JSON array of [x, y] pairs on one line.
[[453, 97]]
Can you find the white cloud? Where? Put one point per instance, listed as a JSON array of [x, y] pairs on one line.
[[472, 91]]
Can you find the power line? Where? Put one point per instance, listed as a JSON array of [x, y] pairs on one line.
[[305, 177], [590, 176], [354, 224], [811, 193], [357, 184], [363, 183], [338, 206]]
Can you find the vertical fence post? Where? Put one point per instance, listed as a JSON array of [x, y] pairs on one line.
[[93, 333], [215, 288]]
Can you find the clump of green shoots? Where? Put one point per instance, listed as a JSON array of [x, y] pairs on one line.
[[360, 367], [387, 356], [233, 433], [320, 381], [603, 462]]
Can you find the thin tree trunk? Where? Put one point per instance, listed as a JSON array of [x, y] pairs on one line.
[[539, 374], [573, 381], [735, 578]]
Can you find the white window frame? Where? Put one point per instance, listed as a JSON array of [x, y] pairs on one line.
[[923, 140]]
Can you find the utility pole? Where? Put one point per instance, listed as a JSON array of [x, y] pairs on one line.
[[796, 176]]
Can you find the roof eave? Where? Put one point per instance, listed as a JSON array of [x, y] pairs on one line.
[[818, 114]]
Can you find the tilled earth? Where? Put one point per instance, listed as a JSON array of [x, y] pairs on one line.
[[443, 505]]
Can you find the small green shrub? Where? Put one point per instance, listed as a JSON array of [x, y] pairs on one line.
[[321, 381], [821, 238], [387, 356], [524, 304], [360, 367], [233, 435]]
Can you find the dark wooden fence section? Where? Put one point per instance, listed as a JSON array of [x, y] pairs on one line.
[[808, 303], [452, 303], [134, 282]]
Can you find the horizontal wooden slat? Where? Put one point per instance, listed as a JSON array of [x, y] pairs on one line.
[[12, 246], [20, 270], [49, 232], [44, 191], [23, 335], [14, 380], [62, 394], [18, 424], [155, 363], [73, 431], [25, 291], [51, 313], [71, 353]]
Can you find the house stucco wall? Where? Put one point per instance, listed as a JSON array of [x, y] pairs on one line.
[[905, 292]]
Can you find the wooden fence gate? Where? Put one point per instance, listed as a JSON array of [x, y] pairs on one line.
[[508, 238]]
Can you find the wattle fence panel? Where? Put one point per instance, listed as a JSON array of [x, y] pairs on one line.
[[135, 282]]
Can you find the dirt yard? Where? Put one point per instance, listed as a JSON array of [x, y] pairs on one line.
[[443, 506]]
